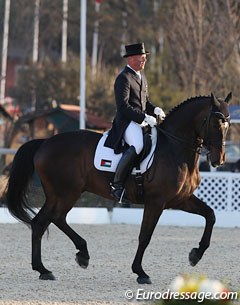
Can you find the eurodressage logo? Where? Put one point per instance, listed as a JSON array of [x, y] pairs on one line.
[[106, 163]]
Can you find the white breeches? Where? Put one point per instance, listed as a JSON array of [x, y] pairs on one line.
[[134, 137]]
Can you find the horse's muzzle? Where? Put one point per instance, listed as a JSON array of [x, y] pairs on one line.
[[220, 161], [216, 164]]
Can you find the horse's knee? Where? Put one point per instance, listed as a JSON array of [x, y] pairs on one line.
[[210, 217]]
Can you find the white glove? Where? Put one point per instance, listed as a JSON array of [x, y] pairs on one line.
[[150, 120], [158, 111]]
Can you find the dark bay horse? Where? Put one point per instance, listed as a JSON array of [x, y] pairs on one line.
[[64, 164]]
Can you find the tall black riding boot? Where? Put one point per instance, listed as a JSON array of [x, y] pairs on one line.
[[124, 168]]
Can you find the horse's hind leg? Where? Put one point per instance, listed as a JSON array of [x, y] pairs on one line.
[[39, 225], [56, 214], [82, 257], [196, 206]]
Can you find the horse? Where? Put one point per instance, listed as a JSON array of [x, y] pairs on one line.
[[64, 164]]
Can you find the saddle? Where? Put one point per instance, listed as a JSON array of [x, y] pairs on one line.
[[106, 160]]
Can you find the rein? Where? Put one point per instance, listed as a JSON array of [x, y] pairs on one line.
[[197, 149]]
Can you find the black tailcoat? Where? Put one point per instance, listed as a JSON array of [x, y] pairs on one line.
[[131, 94]]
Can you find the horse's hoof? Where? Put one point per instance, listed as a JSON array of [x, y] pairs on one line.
[[47, 276], [82, 260], [144, 280], [193, 257]]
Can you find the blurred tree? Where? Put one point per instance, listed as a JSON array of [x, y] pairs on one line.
[[193, 44], [198, 43]]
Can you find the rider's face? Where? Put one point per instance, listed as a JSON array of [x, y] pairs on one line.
[[137, 62]]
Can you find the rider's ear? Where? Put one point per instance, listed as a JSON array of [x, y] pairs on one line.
[[215, 102], [229, 97]]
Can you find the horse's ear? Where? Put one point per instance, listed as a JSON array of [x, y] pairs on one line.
[[215, 102], [229, 97]]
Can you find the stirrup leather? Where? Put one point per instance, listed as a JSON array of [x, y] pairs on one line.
[[121, 197]]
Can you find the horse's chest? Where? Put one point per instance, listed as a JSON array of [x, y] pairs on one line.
[[189, 183]]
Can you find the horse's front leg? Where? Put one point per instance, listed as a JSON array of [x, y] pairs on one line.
[[196, 206], [150, 219]]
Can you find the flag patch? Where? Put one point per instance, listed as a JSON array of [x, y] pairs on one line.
[[106, 163]]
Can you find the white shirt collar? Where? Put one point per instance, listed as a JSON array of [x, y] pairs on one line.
[[137, 72]]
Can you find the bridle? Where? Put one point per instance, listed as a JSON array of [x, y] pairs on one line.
[[207, 140], [197, 144]]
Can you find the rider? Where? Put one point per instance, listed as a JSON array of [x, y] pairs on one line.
[[133, 109]]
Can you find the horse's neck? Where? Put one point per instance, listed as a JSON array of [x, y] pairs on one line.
[[181, 127], [182, 121]]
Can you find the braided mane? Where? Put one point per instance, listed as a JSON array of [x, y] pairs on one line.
[[189, 100]]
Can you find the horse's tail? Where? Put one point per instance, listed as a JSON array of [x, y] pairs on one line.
[[20, 174]]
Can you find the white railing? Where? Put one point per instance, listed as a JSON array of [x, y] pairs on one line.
[[220, 190]]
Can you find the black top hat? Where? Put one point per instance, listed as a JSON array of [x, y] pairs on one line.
[[135, 49]]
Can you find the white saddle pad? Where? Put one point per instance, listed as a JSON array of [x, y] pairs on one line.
[[106, 160]]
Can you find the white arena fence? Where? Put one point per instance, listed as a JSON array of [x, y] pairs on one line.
[[220, 190]]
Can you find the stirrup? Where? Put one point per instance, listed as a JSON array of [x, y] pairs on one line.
[[122, 200]]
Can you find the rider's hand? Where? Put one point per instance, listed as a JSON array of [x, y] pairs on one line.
[[150, 120], [159, 112]]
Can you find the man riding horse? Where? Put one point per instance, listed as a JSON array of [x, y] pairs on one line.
[[134, 109]]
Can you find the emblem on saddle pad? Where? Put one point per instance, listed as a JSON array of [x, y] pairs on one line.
[[106, 160], [105, 163]]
